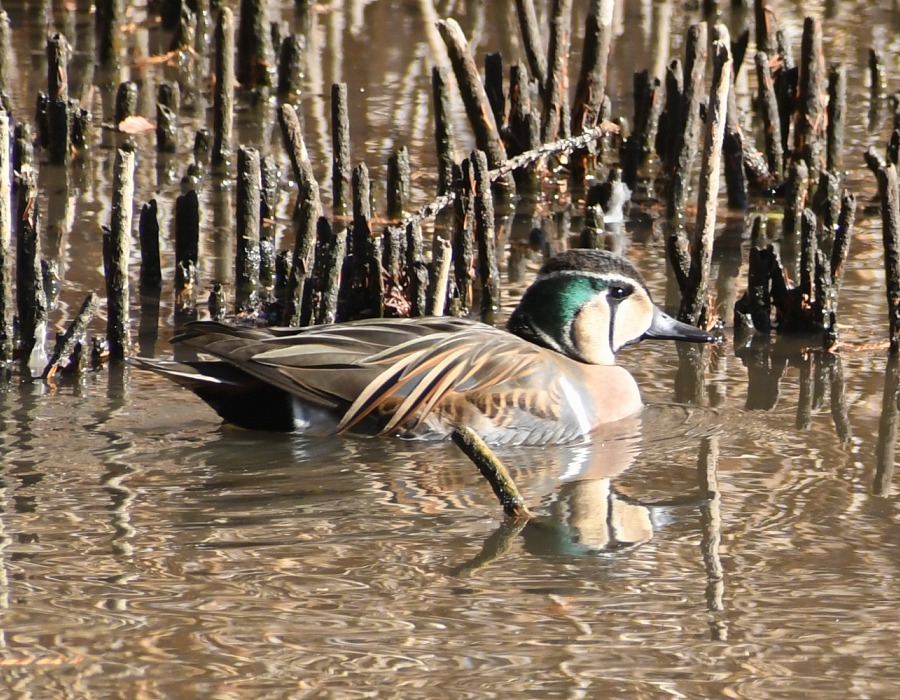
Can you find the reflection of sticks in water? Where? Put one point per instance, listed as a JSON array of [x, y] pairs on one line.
[[121, 497], [839, 408], [805, 400], [494, 471], [885, 448], [711, 525], [495, 546]]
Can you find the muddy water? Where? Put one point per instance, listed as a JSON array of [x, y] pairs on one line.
[[739, 539]]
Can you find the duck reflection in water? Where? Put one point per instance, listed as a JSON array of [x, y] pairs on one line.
[[584, 513]]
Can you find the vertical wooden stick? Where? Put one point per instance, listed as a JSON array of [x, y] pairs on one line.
[[291, 65], [842, 235], [148, 230], [795, 200], [168, 104], [464, 236], [31, 300], [5, 52], [126, 101], [763, 25], [246, 267], [109, 15], [58, 117], [693, 303], [6, 253], [398, 183], [340, 135], [269, 189], [335, 243], [292, 135], [487, 137], [890, 218], [554, 90], [878, 83], [443, 131], [837, 109], [493, 87], [810, 126], [416, 270], [223, 105], [57, 67], [166, 129], [669, 134], [688, 120], [485, 236], [306, 219], [808, 247], [592, 80], [187, 248], [771, 120], [442, 259], [116, 252], [531, 39], [254, 49], [591, 87], [524, 133]]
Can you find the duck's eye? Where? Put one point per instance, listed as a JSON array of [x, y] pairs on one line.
[[618, 292]]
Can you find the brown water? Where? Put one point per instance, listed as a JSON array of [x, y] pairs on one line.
[[739, 540]]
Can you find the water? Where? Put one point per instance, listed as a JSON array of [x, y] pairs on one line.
[[739, 539]]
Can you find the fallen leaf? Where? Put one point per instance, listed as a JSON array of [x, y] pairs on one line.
[[136, 125]]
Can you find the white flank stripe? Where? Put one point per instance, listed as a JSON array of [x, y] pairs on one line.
[[576, 405]]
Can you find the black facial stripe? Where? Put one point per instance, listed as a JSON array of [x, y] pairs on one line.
[[612, 325]]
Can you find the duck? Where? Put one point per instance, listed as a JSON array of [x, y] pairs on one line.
[[549, 377]]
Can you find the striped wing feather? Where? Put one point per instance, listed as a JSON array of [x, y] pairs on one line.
[[462, 364]]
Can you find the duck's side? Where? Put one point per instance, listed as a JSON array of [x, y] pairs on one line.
[[414, 378]]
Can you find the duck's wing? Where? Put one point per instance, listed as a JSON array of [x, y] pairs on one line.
[[479, 371]]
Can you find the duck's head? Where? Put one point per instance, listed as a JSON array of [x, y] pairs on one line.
[[588, 304]]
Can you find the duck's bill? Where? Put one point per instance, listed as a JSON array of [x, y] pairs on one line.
[[664, 327]]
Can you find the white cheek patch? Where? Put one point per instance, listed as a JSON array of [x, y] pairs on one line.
[[590, 332], [632, 319]]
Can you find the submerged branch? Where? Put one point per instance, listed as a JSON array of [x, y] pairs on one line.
[[493, 470]]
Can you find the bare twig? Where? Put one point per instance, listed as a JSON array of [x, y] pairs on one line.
[[493, 470]]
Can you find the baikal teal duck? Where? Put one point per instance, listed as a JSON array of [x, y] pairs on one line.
[[550, 377]]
